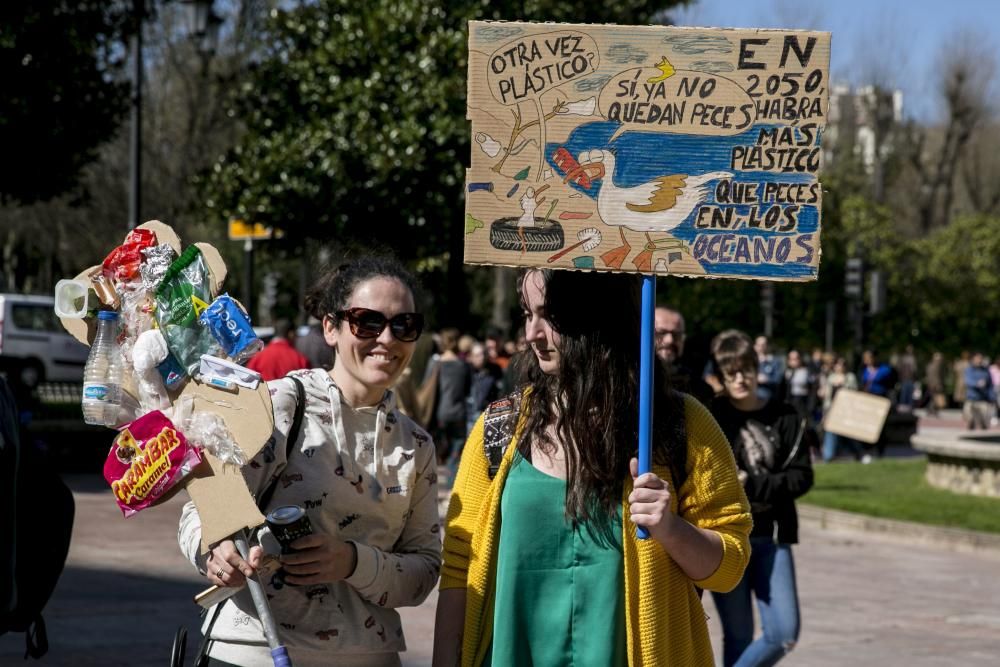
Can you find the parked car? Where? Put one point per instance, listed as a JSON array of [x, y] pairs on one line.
[[264, 333], [34, 347]]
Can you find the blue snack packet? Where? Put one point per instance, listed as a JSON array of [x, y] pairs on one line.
[[230, 326]]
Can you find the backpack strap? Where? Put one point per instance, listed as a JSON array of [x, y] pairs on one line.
[[293, 435], [499, 422], [36, 639]]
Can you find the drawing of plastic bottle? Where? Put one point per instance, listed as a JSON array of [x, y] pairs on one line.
[[528, 206], [580, 107], [489, 145]]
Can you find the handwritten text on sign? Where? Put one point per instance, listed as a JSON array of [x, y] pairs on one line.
[[646, 149]]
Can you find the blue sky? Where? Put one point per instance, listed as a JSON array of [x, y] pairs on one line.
[[901, 39]]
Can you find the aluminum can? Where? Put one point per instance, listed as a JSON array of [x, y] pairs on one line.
[[288, 523]]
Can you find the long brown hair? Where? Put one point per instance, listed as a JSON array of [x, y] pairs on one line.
[[593, 399]]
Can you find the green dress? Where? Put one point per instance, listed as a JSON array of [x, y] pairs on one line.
[[560, 593]]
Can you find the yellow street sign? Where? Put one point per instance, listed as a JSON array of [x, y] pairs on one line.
[[240, 230]]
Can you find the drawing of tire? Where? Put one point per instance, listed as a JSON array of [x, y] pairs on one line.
[[546, 237]]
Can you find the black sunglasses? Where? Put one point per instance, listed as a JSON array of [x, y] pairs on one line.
[[366, 323]]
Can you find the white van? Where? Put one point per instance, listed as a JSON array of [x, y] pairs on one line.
[[33, 343]]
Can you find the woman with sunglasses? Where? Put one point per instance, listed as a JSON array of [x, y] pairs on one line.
[[364, 473], [541, 561]]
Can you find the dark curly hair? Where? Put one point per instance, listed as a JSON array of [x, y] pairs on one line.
[[593, 400], [333, 289]]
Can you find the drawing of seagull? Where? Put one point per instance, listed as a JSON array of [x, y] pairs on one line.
[[658, 205]]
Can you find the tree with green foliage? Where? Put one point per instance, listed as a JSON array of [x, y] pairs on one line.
[[948, 286], [356, 129], [62, 93], [186, 126]]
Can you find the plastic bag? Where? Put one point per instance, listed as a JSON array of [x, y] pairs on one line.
[[183, 293], [208, 431], [150, 351]]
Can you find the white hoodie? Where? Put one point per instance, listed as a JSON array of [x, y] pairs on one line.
[[368, 476]]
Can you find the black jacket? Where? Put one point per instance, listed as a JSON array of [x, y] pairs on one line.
[[772, 446]]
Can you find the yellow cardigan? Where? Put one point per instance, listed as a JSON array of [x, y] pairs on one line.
[[665, 622]]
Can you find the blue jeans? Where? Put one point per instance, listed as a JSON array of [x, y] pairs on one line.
[[906, 392], [832, 442], [770, 577]]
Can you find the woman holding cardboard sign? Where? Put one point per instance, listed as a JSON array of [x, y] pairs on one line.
[[365, 475], [562, 579]]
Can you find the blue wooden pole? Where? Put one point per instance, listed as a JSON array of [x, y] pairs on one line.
[[646, 381]]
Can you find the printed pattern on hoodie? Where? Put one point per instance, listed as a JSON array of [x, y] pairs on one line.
[[367, 476]]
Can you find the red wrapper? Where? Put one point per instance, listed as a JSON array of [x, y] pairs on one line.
[[122, 264], [148, 457]]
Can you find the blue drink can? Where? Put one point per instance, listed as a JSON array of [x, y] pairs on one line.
[[230, 326]]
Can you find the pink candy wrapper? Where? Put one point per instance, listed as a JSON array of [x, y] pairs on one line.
[[148, 457]]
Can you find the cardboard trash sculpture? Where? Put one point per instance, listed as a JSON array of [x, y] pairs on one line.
[[171, 308], [646, 149]]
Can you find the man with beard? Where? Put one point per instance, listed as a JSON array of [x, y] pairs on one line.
[[668, 325]]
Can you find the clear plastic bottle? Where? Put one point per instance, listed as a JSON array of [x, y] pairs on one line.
[[102, 376]]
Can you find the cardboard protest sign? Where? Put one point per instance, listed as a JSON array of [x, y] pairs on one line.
[[857, 415], [656, 150]]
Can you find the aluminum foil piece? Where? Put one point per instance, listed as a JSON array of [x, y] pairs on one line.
[[158, 259]]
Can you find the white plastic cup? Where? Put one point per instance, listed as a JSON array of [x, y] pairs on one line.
[[71, 299]]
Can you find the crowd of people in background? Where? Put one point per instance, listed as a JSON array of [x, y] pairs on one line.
[[461, 378], [455, 375], [810, 384], [452, 378]]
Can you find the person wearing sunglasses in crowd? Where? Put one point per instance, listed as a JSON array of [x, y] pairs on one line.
[[366, 475], [561, 579], [772, 443]]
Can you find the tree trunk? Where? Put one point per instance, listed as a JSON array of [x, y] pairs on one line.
[[10, 262]]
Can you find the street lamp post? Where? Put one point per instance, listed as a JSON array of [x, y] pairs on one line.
[[248, 274], [135, 143], [204, 25]]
